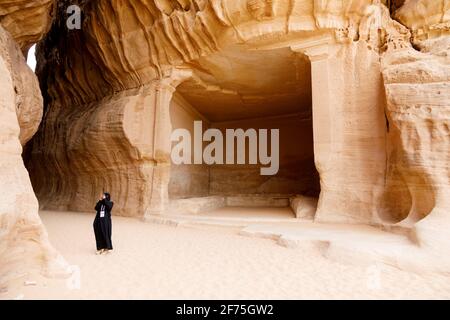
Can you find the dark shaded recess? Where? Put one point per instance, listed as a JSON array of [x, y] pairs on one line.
[[54, 47], [394, 5]]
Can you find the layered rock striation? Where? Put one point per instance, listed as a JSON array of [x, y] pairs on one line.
[[24, 243], [109, 87], [417, 82], [369, 91]]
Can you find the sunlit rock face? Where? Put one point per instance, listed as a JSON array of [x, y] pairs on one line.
[[417, 89], [332, 75], [109, 91], [425, 19], [23, 239], [361, 101], [27, 21]]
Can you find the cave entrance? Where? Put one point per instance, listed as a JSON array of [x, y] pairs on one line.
[[247, 89]]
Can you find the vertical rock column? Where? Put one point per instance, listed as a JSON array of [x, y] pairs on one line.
[[418, 91], [162, 130], [349, 128], [162, 127]]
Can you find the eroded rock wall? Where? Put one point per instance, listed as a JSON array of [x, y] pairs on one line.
[[24, 242], [417, 85], [382, 152], [102, 146], [84, 146], [109, 86], [350, 135]]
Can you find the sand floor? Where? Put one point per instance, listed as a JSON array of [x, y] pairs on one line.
[[153, 261]]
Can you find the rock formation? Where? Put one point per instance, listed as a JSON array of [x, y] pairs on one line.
[[110, 112], [26, 21], [23, 240], [361, 101], [417, 85], [110, 87]]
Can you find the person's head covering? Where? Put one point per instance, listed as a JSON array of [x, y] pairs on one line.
[[107, 196]]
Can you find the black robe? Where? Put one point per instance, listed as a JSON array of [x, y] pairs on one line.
[[103, 226]]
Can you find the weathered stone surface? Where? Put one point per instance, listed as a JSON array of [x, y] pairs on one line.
[[366, 100], [125, 44], [27, 21], [108, 101], [196, 205], [417, 89], [347, 69], [304, 207], [425, 19], [29, 102], [23, 240], [24, 243]]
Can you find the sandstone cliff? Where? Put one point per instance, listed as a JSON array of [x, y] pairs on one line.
[[373, 91], [27, 21], [24, 243], [109, 86], [417, 88]]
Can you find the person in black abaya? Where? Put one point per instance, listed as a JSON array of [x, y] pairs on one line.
[[103, 224]]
